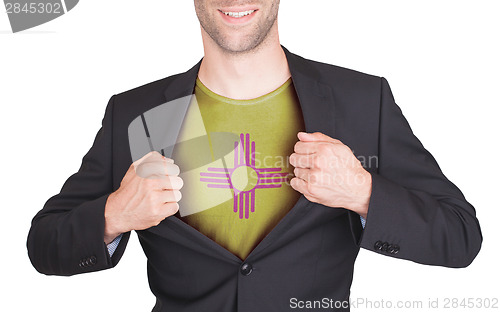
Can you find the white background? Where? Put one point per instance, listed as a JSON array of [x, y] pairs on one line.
[[441, 59]]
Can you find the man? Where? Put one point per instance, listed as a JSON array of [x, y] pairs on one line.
[[277, 241]]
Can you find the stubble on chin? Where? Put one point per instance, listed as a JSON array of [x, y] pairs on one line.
[[248, 44]]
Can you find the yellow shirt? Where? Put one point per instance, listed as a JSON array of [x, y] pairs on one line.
[[234, 159]]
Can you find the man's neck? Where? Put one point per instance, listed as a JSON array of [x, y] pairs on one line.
[[244, 76]]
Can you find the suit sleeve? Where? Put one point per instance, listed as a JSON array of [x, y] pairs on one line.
[[67, 236], [415, 212]]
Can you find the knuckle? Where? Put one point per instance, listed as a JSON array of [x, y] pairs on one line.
[[344, 149], [154, 210], [172, 207], [301, 161], [172, 169], [153, 200], [177, 182], [326, 149], [317, 161], [322, 148], [177, 195], [313, 176], [296, 147], [177, 169]]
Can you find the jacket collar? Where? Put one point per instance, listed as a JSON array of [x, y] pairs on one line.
[[315, 96]]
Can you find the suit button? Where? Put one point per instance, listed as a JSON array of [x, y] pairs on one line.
[[390, 249], [384, 246], [378, 245], [246, 269], [82, 263], [396, 249], [93, 260]]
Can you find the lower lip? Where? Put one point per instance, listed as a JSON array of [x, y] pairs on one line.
[[237, 20]]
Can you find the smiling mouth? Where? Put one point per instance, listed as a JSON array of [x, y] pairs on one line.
[[238, 14]]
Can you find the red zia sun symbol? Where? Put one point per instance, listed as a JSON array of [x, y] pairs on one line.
[[244, 178]]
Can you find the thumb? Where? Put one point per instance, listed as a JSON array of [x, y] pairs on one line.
[[316, 136]]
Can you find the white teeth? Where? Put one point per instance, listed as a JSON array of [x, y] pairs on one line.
[[239, 14]]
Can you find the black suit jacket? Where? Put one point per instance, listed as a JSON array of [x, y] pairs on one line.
[[415, 212]]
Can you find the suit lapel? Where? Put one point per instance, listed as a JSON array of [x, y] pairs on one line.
[[316, 98], [317, 104], [183, 85]]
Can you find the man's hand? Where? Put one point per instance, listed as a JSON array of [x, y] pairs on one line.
[[327, 172], [148, 193]]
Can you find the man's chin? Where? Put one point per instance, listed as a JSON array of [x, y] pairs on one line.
[[239, 46]]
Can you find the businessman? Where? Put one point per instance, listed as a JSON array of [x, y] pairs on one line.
[[321, 162]]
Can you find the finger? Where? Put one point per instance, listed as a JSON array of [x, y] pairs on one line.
[[172, 169], [157, 169], [171, 208], [302, 173], [317, 137], [169, 196], [304, 147], [172, 183], [298, 184], [301, 186], [164, 183], [310, 176], [301, 160], [143, 158]]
